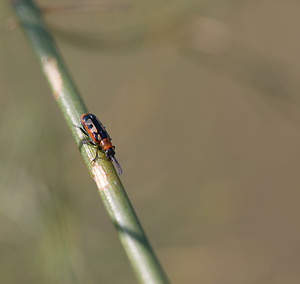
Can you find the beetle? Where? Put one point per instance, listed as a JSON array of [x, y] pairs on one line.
[[98, 137]]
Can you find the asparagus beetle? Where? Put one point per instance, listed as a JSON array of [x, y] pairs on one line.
[[98, 137]]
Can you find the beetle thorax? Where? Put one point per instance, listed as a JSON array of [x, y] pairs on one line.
[[105, 144]]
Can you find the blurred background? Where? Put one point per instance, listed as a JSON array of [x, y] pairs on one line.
[[201, 99]]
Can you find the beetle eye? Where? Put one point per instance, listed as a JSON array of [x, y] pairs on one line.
[[89, 126]]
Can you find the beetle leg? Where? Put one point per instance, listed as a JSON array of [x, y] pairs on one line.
[[82, 130], [85, 142], [89, 141], [93, 161]]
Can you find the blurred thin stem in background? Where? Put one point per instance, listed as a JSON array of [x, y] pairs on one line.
[[82, 6], [111, 190]]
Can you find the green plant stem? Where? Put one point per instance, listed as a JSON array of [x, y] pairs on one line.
[[110, 188]]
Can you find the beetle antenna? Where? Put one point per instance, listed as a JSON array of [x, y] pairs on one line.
[[116, 164]]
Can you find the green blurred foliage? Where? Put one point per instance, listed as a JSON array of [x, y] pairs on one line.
[[201, 99]]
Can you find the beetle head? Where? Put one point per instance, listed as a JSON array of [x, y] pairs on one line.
[[109, 153]]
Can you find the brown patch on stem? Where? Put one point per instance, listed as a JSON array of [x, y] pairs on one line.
[[53, 75]]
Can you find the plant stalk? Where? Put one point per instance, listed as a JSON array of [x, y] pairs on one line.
[[111, 190]]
